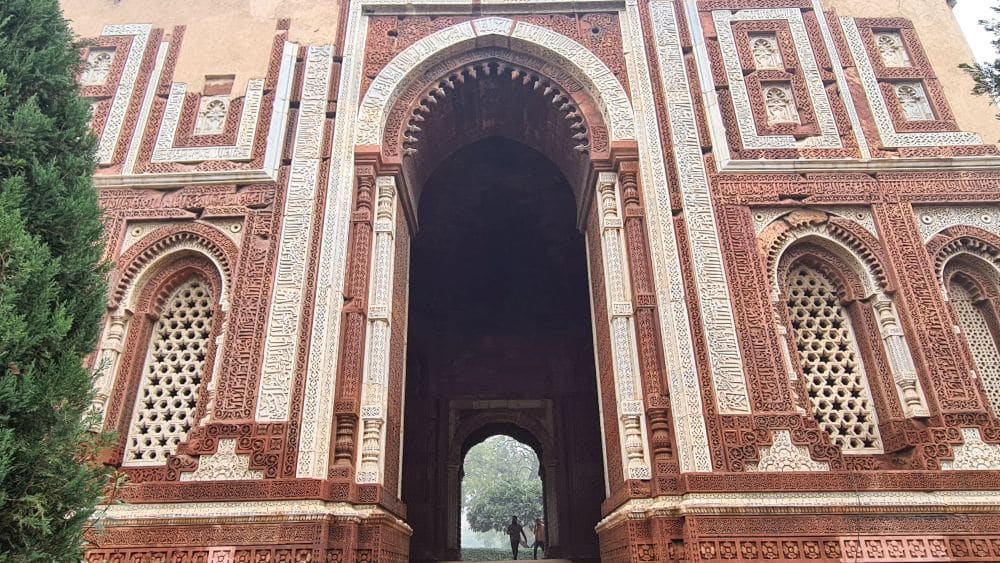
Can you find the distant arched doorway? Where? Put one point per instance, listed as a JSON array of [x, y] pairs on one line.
[[500, 476]]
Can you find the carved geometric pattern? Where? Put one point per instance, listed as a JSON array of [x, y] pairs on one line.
[[779, 99], [780, 103], [890, 135], [783, 455], [242, 150], [913, 99], [172, 376], [212, 115], [249, 144], [766, 54], [97, 67], [981, 340], [830, 364], [890, 46], [115, 121], [973, 454], [224, 465]]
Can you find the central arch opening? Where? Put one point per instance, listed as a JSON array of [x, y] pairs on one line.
[[501, 478], [500, 333]]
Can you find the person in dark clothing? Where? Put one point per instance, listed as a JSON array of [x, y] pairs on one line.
[[516, 533], [539, 538]]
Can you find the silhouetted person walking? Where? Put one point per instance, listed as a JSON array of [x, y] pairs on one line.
[[539, 538], [516, 533]]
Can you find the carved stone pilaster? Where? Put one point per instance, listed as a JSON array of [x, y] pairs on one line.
[[374, 395], [646, 315], [108, 355], [624, 346], [904, 372], [354, 314], [343, 449]]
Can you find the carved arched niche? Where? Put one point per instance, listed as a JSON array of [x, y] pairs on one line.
[[150, 273], [967, 262], [841, 258], [180, 273]]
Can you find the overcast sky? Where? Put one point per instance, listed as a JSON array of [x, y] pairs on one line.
[[969, 12]]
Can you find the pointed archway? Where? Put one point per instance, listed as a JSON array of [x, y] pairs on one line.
[[487, 83]]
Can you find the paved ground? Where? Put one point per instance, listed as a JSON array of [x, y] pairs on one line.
[[528, 559]]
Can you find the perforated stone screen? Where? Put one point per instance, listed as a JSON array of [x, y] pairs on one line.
[[981, 342], [168, 393], [833, 370]]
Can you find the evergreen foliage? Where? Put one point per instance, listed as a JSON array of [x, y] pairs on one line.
[[52, 290], [987, 75]]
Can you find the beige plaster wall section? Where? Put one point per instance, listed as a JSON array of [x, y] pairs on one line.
[[946, 48], [222, 37]]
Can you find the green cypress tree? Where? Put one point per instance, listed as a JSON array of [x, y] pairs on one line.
[[51, 288]]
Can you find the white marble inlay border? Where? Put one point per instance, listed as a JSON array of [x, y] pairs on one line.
[[126, 85], [883, 119], [829, 135], [692, 503], [147, 103], [288, 294], [678, 351], [728, 379], [242, 150], [566, 53], [932, 219], [164, 151], [323, 347]]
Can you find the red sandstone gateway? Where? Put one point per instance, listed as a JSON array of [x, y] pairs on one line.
[[731, 268]]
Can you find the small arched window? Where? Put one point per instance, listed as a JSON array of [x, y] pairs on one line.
[[978, 324], [828, 357], [168, 392]]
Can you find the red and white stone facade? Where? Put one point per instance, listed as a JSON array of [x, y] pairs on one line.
[[794, 273]]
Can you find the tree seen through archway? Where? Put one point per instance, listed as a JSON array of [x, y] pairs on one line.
[[500, 480]]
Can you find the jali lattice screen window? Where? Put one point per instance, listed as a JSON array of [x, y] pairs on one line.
[[980, 340], [828, 355], [171, 376]]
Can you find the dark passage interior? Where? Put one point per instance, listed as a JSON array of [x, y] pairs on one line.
[[500, 333]]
